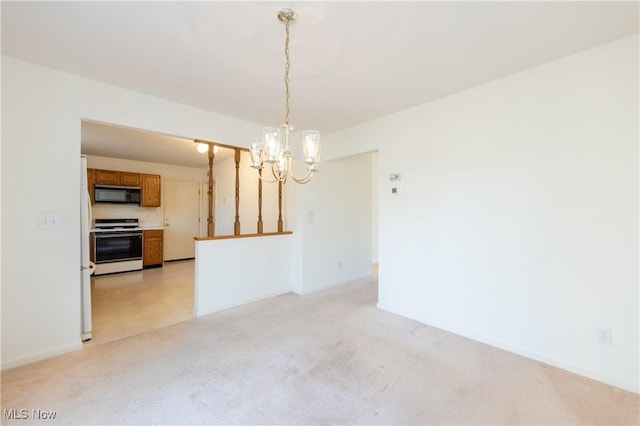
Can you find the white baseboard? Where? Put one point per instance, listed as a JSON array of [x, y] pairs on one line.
[[215, 309], [305, 292], [628, 386], [40, 356]]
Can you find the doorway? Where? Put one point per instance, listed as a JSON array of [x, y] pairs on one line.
[[130, 303]]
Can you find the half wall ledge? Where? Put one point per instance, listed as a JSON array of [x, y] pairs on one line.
[[227, 237]]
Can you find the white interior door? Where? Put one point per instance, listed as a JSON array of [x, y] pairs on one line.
[[181, 218]]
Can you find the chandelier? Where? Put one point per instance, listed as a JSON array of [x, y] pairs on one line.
[[273, 147]]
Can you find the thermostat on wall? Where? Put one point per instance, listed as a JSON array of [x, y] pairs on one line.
[[395, 191]]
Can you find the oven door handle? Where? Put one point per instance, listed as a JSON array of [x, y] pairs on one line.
[[134, 234]]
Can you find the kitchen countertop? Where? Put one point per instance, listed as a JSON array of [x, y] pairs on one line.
[[151, 225]]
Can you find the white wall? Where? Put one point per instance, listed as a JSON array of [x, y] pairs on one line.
[[517, 222], [148, 216], [42, 111], [334, 221], [224, 280]]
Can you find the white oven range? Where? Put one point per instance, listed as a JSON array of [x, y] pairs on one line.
[[118, 245]]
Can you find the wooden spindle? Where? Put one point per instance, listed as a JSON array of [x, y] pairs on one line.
[[260, 224], [210, 223], [236, 224], [280, 224]]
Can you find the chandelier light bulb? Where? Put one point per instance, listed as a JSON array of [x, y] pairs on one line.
[[272, 143], [311, 146], [256, 151]]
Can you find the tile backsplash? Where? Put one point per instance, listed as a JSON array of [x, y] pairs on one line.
[[148, 216]]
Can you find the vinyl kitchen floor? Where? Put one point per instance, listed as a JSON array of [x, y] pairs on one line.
[[131, 303]]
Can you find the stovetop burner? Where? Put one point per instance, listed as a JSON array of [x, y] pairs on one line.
[[115, 225]]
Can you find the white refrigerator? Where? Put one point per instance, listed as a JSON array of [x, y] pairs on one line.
[[86, 266]]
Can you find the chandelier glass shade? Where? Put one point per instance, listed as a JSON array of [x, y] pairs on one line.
[[272, 149]]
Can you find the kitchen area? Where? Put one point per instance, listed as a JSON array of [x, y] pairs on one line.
[[146, 196], [129, 286]]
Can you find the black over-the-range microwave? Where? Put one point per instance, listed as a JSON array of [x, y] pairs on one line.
[[116, 194]]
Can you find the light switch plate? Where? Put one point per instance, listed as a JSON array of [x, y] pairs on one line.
[[49, 221]]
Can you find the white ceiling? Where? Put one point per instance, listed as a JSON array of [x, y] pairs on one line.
[[140, 145], [351, 61]]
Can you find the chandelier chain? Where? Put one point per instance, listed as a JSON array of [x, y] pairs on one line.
[[286, 77]]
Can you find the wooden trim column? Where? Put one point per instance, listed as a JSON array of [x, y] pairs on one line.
[[236, 224], [280, 224], [260, 224], [210, 222]]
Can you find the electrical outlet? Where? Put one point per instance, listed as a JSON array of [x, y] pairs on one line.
[[604, 336]]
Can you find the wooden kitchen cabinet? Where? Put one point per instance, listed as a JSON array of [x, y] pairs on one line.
[[114, 177], [107, 177], [129, 179], [150, 191], [92, 247], [91, 180], [152, 250]]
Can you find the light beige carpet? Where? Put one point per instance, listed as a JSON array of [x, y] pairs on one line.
[[326, 358]]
